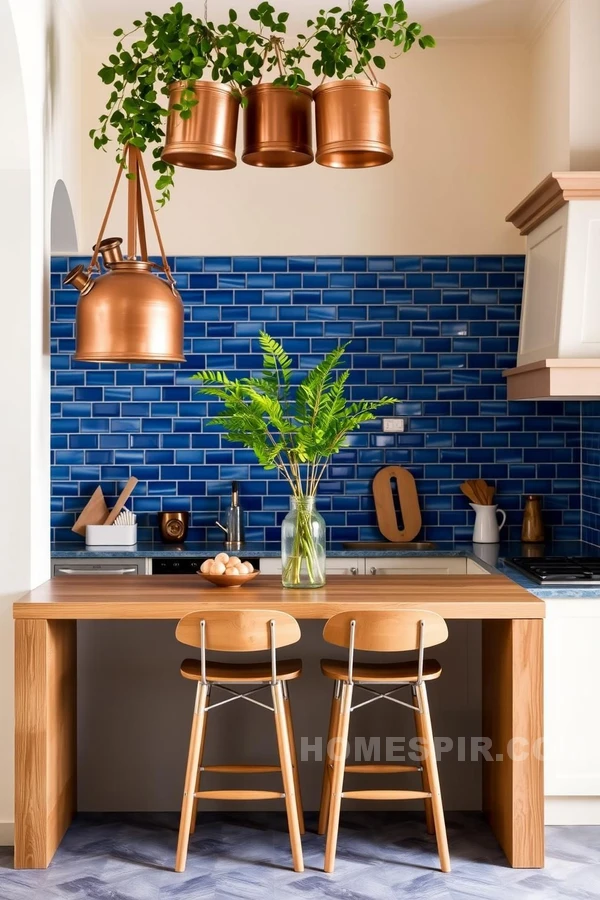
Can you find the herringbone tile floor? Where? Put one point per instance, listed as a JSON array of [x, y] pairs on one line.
[[381, 856]]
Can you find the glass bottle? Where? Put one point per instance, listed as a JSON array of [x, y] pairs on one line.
[[303, 545]]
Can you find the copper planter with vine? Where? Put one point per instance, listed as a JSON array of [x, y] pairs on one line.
[[278, 126], [353, 124], [207, 139]]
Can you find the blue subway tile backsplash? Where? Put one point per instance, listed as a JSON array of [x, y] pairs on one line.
[[434, 332], [590, 472]]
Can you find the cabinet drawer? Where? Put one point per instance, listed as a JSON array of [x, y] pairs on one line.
[[333, 566], [416, 565], [65, 567], [343, 565]]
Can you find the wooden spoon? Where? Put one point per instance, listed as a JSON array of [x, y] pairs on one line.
[[481, 489], [468, 491]]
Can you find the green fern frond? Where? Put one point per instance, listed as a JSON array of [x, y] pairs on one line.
[[297, 437]]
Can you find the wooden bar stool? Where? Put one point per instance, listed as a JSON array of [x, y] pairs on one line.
[[238, 631], [392, 632]]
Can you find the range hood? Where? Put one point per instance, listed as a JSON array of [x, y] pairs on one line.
[[559, 341]]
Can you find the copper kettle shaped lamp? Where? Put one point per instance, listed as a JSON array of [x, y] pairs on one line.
[[129, 313]]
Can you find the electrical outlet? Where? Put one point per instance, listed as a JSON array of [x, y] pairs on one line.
[[395, 425]]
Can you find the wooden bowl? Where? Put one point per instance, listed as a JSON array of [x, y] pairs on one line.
[[228, 581]]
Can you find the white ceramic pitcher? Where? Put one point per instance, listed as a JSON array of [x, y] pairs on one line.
[[487, 528]]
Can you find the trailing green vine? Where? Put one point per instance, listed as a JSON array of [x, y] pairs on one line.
[[344, 40], [177, 46]]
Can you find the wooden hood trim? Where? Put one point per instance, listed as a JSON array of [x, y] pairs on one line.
[[552, 193]]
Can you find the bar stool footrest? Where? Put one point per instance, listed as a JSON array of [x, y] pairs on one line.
[[386, 795], [236, 769], [240, 795], [380, 768]]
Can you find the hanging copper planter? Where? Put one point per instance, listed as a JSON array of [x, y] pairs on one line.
[[128, 314], [353, 124], [207, 139], [278, 126]]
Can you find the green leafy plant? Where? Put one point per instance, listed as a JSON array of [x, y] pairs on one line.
[[345, 40], [177, 46], [294, 428]]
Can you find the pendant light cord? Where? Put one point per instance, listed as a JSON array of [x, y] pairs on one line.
[[135, 164], [132, 201], [94, 261], [148, 193]]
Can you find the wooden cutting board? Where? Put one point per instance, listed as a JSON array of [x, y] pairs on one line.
[[94, 513], [385, 505], [122, 500]]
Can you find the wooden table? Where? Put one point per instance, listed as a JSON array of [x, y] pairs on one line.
[[46, 681]]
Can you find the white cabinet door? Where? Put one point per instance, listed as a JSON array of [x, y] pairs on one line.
[[271, 566], [336, 565], [344, 565], [474, 568], [416, 565], [571, 688]]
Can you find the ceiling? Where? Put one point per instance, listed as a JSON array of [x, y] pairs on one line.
[[502, 19]]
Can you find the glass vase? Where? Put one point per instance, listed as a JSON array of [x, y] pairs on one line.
[[303, 545]]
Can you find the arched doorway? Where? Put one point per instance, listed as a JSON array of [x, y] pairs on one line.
[[63, 234]]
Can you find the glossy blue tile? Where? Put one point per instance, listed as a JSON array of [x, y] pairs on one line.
[[434, 264], [407, 263], [289, 280], [301, 264], [433, 332], [189, 264], [329, 264], [217, 264], [246, 264], [274, 264], [355, 264], [489, 263]]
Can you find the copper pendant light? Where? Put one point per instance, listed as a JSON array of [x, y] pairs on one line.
[[128, 314], [353, 124], [207, 139], [278, 126]]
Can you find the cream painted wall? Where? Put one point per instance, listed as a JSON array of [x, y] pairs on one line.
[[460, 133], [565, 100], [584, 119], [39, 68], [550, 59]]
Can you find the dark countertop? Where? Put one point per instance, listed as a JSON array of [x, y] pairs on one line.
[[490, 555], [189, 549]]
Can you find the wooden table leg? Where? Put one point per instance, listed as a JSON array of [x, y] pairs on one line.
[[45, 737], [513, 786]]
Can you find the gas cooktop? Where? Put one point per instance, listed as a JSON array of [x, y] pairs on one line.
[[559, 570]]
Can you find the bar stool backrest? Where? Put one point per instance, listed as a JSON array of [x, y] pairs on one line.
[[238, 630], [387, 631]]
